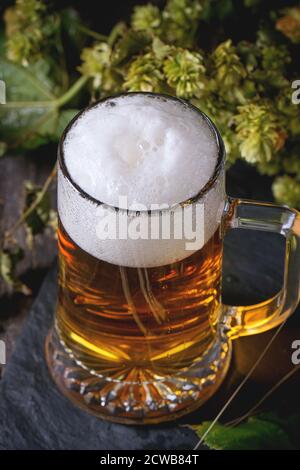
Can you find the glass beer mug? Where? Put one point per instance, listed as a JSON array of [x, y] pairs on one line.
[[140, 332]]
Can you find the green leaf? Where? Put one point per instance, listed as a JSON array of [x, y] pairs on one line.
[[30, 116], [30, 83], [255, 434], [29, 113]]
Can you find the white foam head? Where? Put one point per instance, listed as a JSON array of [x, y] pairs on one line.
[[148, 148]]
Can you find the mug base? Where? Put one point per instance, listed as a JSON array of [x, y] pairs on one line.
[[155, 401]]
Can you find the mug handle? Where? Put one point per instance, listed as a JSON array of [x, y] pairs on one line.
[[267, 217]]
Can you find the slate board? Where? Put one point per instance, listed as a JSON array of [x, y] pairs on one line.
[[34, 415]]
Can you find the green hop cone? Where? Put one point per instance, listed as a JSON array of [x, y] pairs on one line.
[[29, 30], [185, 72], [227, 66], [287, 190], [145, 74], [259, 132], [96, 64], [146, 18], [180, 21]]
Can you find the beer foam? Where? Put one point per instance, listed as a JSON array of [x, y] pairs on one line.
[[150, 149]]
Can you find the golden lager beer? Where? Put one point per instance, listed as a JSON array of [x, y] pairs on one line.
[[140, 334], [138, 322]]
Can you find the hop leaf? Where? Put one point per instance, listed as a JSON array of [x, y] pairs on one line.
[[227, 66], [28, 30], [145, 74], [185, 72], [287, 190], [259, 132], [289, 24], [257, 433], [146, 18]]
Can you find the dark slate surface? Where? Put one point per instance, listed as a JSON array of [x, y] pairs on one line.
[[34, 415]]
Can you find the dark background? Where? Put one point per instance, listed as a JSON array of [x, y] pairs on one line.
[[256, 261]]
